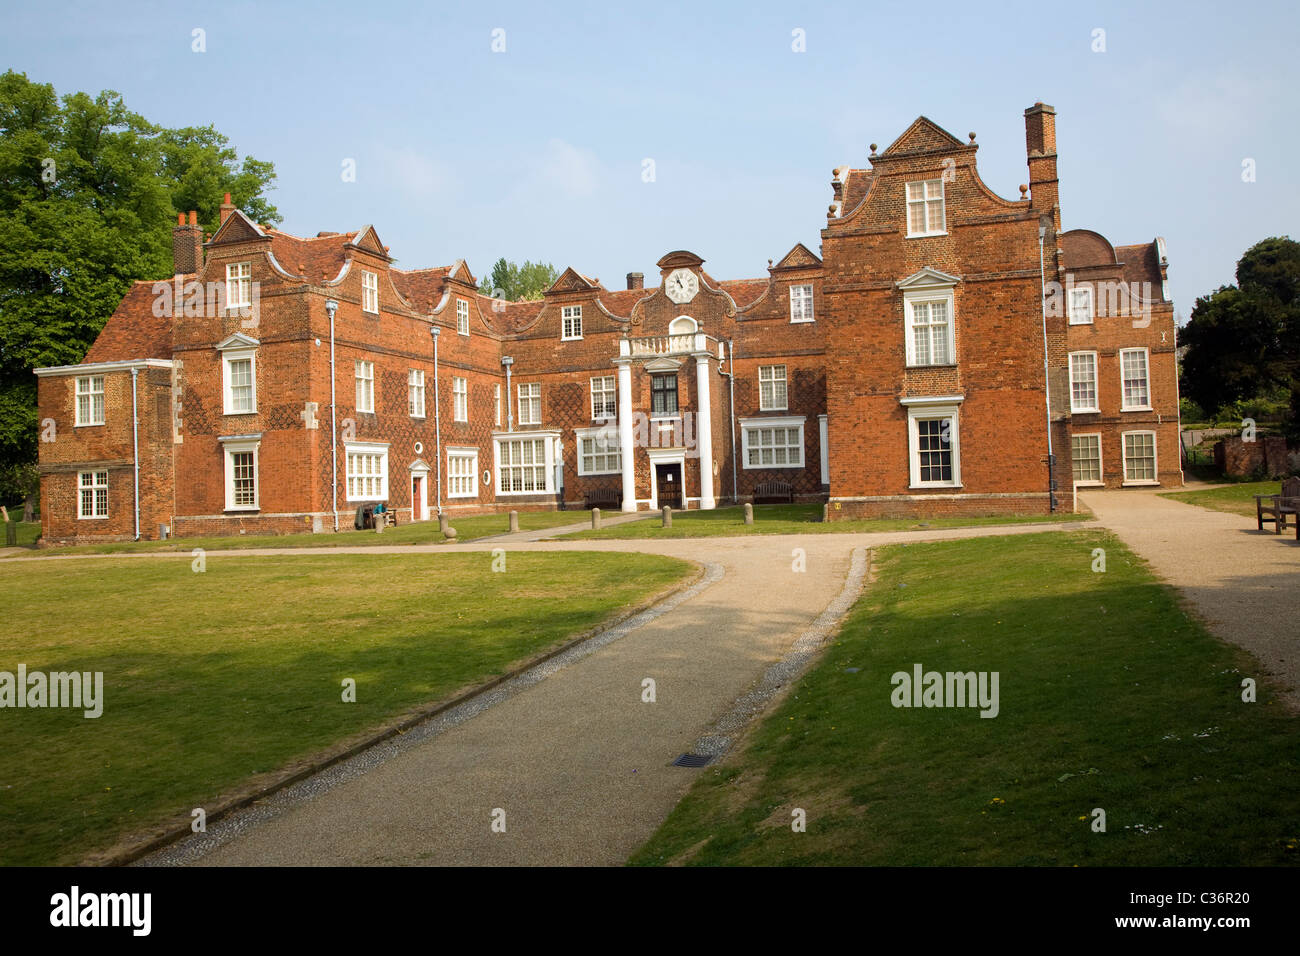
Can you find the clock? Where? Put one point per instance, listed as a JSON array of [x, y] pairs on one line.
[[682, 285]]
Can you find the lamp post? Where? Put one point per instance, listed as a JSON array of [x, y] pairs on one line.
[[437, 419], [508, 362], [1047, 383], [331, 307]]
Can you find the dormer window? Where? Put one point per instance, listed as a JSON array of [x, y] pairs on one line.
[[572, 322], [925, 215], [239, 283], [369, 291], [801, 303]]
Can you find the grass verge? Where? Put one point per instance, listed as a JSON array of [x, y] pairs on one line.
[[1236, 499]]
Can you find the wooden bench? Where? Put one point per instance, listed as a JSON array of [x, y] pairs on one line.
[[1275, 508], [605, 498], [774, 492]]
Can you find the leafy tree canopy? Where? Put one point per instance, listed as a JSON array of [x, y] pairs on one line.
[[519, 283]]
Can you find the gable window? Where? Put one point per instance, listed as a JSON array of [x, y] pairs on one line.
[[772, 442], [1085, 450], [663, 396], [925, 216], [239, 284], [598, 451], [460, 399], [604, 399], [369, 291], [241, 473], [523, 465], [365, 386], [92, 494], [240, 381], [415, 392], [90, 400], [572, 321], [367, 471], [801, 303], [930, 339], [933, 446], [1081, 312], [462, 317], [772, 394], [1136, 390], [462, 469], [1140, 458], [1083, 381], [530, 404]]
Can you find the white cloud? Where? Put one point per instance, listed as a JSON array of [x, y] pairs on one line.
[[574, 172], [409, 171]]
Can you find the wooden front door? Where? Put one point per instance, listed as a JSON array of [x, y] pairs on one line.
[[417, 498], [669, 480]]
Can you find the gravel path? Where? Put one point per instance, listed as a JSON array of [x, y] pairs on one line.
[[1243, 582]]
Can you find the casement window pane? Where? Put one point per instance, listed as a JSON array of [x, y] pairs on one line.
[[604, 398], [243, 479], [925, 211], [663, 395], [523, 464], [365, 386], [367, 475], [1086, 452], [460, 397], [1083, 382], [239, 284], [90, 400], [776, 447], [461, 475], [772, 387], [462, 317], [934, 449], [572, 321], [369, 291], [931, 333], [801, 303], [1139, 457], [1133, 365], [415, 392], [600, 455], [92, 489], [496, 391], [241, 385], [530, 404], [1080, 306]]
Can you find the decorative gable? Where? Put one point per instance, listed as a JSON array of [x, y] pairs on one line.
[[797, 258], [368, 240], [571, 280], [928, 278], [237, 228], [923, 136], [237, 341]]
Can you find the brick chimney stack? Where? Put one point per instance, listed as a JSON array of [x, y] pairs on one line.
[[227, 208], [1040, 145], [635, 280], [187, 244]]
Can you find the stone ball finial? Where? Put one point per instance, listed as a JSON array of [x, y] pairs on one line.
[[873, 149], [1023, 190], [972, 137]]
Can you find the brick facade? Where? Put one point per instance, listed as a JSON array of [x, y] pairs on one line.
[[945, 413]]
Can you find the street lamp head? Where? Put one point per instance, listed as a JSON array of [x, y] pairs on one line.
[[435, 331], [507, 360], [331, 307]]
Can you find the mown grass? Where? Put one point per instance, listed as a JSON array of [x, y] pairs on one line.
[[1236, 499], [26, 534], [789, 519], [1110, 697], [212, 678]]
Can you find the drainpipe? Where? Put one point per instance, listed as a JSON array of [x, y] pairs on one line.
[[1047, 385], [135, 449], [437, 419], [331, 307], [731, 405]]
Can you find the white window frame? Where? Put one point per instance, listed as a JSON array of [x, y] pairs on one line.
[[497, 390], [459, 399], [1124, 406], [924, 201], [94, 390], [415, 392], [801, 306], [369, 291], [919, 411], [547, 465], [1075, 406], [239, 285], [98, 483], [371, 449], [609, 390], [1100, 480], [926, 296], [237, 446], [1086, 313], [750, 425], [1155, 458], [462, 316], [457, 482], [605, 445], [570, 322], [227, 381], [365, 379], [770, 404], [526, 402]]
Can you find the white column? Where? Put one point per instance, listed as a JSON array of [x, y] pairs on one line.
[[625, 432], [704, 431], [822, 440]]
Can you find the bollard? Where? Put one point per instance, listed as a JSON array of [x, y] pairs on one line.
[[826, 513], [668, 516], [450, 532], [514, 521], [595, 519], [749, 513]]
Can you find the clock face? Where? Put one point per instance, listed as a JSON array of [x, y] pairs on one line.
[[682, 285]]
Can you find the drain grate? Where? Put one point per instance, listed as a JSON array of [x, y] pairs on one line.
[[692, 760]]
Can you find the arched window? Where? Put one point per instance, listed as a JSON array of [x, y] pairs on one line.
[[682, 325]]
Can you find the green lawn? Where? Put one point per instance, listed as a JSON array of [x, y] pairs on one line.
[[213, 678], [1237, 499], [422, 532], [1110, 697], [790, 519], [28, 532]]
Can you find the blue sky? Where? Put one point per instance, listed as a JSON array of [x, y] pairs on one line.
[[537, 152]]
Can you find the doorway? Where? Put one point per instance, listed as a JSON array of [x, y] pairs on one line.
[[419, 509], [668, 478]]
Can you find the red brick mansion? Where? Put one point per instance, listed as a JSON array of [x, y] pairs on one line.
[[944, 346]]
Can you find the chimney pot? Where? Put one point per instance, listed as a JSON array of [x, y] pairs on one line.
[[187, 245], [194, 218], [180, 219], [635, 280], [227, 208]]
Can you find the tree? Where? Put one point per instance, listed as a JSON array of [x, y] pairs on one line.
[[515, 283], [1243, 341], [88, 193]]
